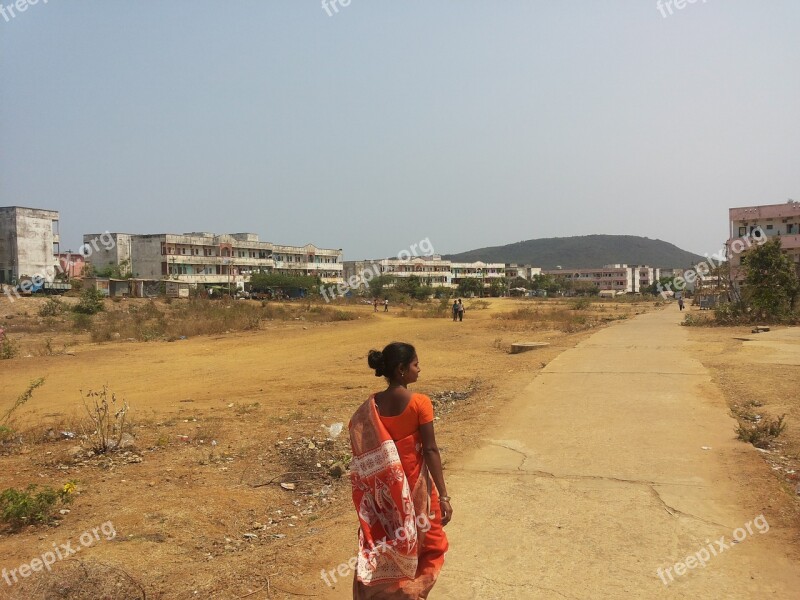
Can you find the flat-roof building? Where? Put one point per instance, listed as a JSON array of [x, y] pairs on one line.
[[29, 243], [775, 220], [208, 258], [617, 278], [431, 270]]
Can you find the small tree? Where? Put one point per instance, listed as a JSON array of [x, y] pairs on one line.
[[547, 283], [469, 286], [497, 287], [377, 285], [771, 281]]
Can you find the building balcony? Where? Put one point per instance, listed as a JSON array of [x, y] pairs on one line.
[[308, 266], [207, 279], [194, 259]]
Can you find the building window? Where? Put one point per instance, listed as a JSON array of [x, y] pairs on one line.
[[789, 228], [769, 227], [742, 231]]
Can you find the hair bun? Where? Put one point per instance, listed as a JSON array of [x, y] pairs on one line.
[[375, 361]]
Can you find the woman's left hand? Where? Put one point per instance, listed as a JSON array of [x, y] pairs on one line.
[[447, 511]]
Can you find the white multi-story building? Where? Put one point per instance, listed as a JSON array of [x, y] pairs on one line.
[[431, 270], [29, 243], [618, 278], [487, 273], [514, 271], [207, 258]]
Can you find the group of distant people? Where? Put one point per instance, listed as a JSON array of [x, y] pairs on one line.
[[458, 310]]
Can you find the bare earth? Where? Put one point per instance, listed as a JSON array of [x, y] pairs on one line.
[[575, 473]]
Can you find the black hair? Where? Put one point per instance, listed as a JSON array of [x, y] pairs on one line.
[[395, 354]]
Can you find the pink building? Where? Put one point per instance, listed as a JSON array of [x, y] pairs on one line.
[[72, 264], [775, 220]]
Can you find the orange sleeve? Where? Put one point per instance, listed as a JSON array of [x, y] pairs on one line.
[[424, 409]]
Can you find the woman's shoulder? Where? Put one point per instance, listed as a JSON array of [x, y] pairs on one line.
[[423, 407]]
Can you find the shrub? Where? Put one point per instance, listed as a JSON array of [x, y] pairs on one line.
[[733, 313], [343, 315], [6, 434], [479, 305], [91, 302], [580, 304], [763, 433], [52, 308], [691, 320], [29, 506], [107, 420], [48, 349], [82, 322], [8, 349]]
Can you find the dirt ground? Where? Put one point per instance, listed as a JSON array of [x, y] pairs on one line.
[[758, 374], [220, 423]]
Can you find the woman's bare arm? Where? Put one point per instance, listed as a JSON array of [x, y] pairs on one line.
[[434, 462]]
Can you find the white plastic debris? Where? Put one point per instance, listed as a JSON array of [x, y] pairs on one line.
[[334, 430]]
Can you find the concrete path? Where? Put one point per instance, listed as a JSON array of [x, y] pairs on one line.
[[597, 477]]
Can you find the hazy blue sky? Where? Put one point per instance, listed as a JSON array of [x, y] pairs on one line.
[[470, 123]]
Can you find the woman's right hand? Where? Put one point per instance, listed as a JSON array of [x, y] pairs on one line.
[[447, 511]]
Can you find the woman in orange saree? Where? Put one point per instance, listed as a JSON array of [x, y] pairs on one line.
[[401, 515]]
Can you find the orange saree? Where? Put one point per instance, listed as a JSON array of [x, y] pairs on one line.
[[401, 539]]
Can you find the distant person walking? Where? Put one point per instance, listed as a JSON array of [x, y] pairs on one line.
[[375, 304], [460, 310], [680, 303], [455, 310], [386, 305]]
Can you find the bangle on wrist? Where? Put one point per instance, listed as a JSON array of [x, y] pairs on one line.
[[444, 498]]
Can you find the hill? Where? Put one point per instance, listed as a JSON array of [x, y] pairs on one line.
[[587, 251]]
